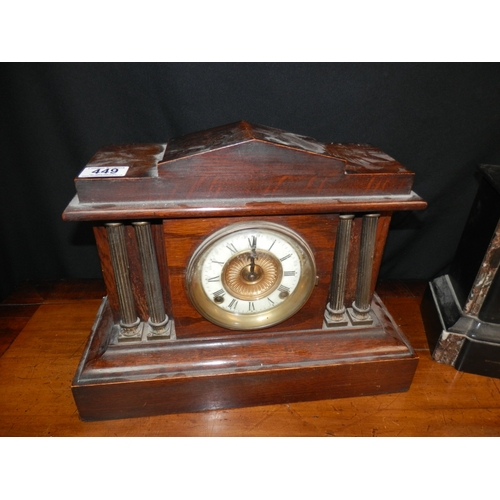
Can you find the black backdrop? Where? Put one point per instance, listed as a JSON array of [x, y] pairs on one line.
[[439, 120]]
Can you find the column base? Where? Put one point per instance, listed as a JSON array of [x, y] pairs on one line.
[[355, 321]]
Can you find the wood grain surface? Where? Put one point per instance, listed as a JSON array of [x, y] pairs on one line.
[[241, 160], [37, 368]]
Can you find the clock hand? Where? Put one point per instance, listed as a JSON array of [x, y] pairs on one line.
[[253, 255], [252, 275]]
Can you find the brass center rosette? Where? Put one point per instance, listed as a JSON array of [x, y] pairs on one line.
[[242, 283]]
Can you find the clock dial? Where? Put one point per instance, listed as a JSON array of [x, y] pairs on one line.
[[251, 275]]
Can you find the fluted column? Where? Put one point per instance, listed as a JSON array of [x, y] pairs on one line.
[[361, 305], [158, 319], [129, 321], [335, 314]]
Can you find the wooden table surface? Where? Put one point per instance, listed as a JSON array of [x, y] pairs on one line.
[[44, 327]]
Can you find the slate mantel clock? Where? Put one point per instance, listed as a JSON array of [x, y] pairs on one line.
[[461, 309], [240, 265]]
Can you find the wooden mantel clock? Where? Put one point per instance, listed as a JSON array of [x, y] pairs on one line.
[[240, 265]]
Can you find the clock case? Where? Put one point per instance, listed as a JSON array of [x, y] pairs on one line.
[[182, 192]]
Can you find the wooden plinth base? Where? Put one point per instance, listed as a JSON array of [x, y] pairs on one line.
[[132, 380]]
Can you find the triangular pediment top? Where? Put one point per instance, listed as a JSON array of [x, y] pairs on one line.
[[243, 161], [239, 133]]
